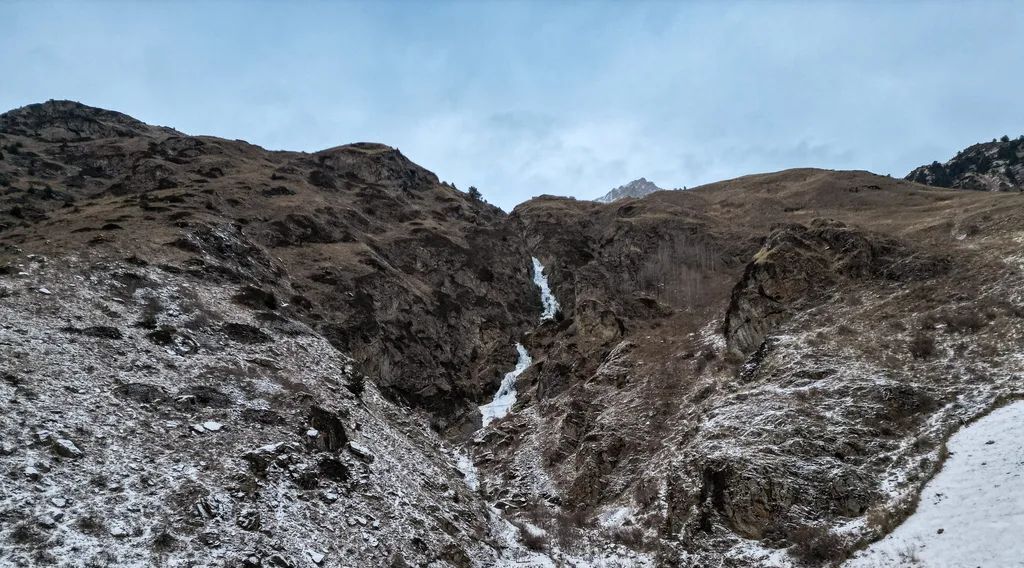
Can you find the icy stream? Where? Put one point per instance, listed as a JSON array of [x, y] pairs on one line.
[[972, 512], [546, 297], [506, 395]]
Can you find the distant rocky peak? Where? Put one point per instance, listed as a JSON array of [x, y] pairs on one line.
[[636, 188], [989, 166]]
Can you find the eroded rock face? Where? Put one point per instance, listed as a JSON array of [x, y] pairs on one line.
[[800, 265]]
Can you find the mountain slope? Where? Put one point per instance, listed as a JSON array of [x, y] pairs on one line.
[[989, 166], [402, 272], [188, 327], [761, 363]]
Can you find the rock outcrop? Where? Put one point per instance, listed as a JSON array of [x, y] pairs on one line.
[[799, 266], [989, 166]]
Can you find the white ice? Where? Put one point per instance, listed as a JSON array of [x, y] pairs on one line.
[[506, 395], [546, 297], [468, 470], [976, 501]]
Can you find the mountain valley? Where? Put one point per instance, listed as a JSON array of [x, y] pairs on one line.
[[218, 355]]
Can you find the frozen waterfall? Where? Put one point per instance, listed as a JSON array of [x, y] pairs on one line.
[[506, 395], [546, 297]]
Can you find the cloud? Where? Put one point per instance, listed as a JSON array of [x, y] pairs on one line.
[[526, 98]]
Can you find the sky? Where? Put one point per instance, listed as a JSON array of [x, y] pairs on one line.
[[527, 98]]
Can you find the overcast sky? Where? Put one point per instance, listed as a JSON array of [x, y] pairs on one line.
[[525, 98]]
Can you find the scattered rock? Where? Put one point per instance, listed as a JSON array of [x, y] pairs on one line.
[[210, 539], [66, 448], [255, 298], [212, 426], [280, 561], [248, 520], [141, 392], [98, 331], [201, 395], [207, 507], [361, 451], [245, 333]]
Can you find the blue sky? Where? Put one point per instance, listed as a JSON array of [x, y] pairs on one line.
[[526, 98]]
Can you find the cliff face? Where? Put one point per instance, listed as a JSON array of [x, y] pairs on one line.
[[989, 166], [273, 358]]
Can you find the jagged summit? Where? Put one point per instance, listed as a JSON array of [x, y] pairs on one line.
[[72, 121], [636, 188], [988, 166]]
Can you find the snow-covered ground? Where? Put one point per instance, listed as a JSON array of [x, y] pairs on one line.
[[546, 297], [506, 395], [972, 512]]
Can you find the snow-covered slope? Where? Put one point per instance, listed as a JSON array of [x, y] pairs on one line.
[[971, 513], [148, 420]]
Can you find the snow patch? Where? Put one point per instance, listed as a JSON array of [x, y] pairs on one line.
[[468, 469], [970, 513]]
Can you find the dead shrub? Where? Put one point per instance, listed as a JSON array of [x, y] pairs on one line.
[[922, 346], [26, 533], [645, 492], [565, 527], [815, 546], [537, 542], [91, 524], [963, 320], [630, 537]]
